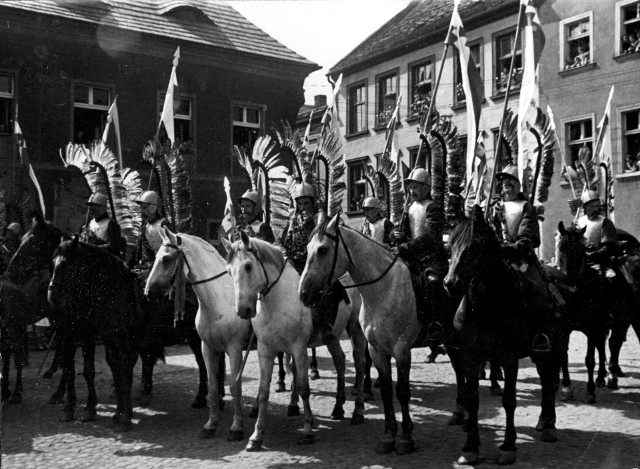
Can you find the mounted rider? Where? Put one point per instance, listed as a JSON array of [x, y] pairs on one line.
[[375, 225], [9, 244], [102, 230], [418, 241], [518, 229], [250, 216], [295, 239]]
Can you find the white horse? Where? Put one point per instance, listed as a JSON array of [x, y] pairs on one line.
[[265, 285], [220, 329], [388, 315]]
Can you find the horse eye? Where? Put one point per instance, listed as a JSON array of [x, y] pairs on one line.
[[322, 251], [248, 267]]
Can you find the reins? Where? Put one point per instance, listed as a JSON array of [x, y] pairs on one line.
[[178, 247], [267, 288]]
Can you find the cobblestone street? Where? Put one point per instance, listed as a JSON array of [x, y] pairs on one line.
[[164, 435]]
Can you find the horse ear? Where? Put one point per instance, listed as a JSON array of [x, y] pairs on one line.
[[333, 224], [245, 239], [37, 218], [226, 243], [581, 231], [561, 229]]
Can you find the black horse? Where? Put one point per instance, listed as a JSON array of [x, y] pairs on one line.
[[495, 323], [13, 339], [588, 307], [96, 294]]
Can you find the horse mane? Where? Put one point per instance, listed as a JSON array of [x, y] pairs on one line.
[[573, 247], [199, 241], [94, 255], [463, 234], [267, 252], [321, 228]]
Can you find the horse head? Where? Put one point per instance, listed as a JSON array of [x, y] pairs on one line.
[[248, 273], [326, 262], [473, 248], [166, 265], [64, 273], [571, 254]]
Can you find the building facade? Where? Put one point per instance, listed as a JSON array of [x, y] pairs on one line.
[[63, 63], [587, 50]]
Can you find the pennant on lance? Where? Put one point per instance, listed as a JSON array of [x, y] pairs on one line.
[[166, 117], [112, 116], [24, 158]]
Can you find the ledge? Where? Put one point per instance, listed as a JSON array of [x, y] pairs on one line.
[[630, 176], [625, 57], [412, 119], [463, 104], [500, 94], [573, 71], [357, 134]]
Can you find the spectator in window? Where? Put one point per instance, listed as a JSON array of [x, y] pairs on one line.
[[504, 78], [626, 44], [633, 163], [633, 40]]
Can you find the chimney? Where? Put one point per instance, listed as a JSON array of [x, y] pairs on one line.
[[319, 100]]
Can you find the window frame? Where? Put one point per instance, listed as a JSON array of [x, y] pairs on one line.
[[89, 106], [566, 123], [360, 162], [456, 68], [619, 23], [563, 27], [624, 133], [234, 123], [352, 87], [497, 58], [395, 72], [12, 98], [429, 60], [191, 117]]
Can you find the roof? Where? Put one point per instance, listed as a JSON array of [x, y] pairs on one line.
[[209, 23], [420, 20]]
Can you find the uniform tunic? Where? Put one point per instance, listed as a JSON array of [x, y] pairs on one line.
[[105, 233], [599, 231], [379, 230]]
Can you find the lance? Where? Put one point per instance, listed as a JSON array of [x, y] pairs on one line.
[[246, 354]]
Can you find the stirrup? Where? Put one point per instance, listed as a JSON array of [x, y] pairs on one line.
[[541, 343], [435, 332]]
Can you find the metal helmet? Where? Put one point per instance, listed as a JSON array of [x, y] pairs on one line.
[[251, 196], [149, 197], [97, 198], [589, 196], [511, 170], [372, 202], [15, 227], [304, 189], [420, 175]]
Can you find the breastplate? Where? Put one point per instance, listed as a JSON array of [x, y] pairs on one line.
[[99, 228], [377, 230], [418, 218], [152, 234], [593, 233], [513, 214]]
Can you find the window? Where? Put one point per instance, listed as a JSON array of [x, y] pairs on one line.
[[387, 98], [503, 50], [357, 118], [182, 122], [627, 27], [6, 103], [213, 231], [631, 140], [420, 74], [357, 184], [579, 138], [476, 56], [90, 108], [576, 45], [247, 126]]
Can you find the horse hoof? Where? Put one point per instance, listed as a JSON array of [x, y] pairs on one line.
[[200, 402], [145, 399], [235, 435], [496, 391], [254, 445], [123, 426], [306, 439], [467, 458], [549, 435], [566, 395], [613, 384], [253, 413], [367, 396], [67, 416], [337, 414], [357, 419], [457, 418], [540, 425], [617, 372], [600, 382], [16, 398], [88, 416], [405, 446], [314, 375], [206, 433], [506, 457], [385, 447], [281, 387], [293, 411]]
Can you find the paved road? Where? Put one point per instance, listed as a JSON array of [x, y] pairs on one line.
[[605, 435]]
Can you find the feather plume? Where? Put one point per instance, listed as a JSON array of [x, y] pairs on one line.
[[181, 197], [510, 138], [546, 154], [389, 176], [587, 170], [331, 148], [133, 185]]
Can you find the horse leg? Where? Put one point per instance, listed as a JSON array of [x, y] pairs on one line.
[[282, 374], [367, 388], [301, 360], [563, 357], [212, 359], [383, 365], [339, 361], [265, 358], [195, 344], [293, 410], [548, 371], [359, 346], [6, 368], [89, 371], [602, 365], [148, 363], [57, 358], [590, 362], [405, 444], [471, 448], [458, 415], [618, 337], [507, 453], [16, 396], [68, 375], [313, 365], [123, 360], [236, 432], [495, 374]]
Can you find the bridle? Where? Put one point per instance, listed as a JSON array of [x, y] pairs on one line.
[[337, 239], [180, 248], [267, 288]]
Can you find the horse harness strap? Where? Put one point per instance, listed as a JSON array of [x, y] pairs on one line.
[[178, 247], [267, 288]]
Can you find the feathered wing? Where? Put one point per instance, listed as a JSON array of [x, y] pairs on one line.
[[546, 154], [154, 154], [586, 169], [133, 185], [331, 149], [389, 175], [510, 138], [180, 191]]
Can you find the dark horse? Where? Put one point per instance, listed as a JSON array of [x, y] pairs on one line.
[[96, 295], [13, 339], [495, 324], [587, 308]]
